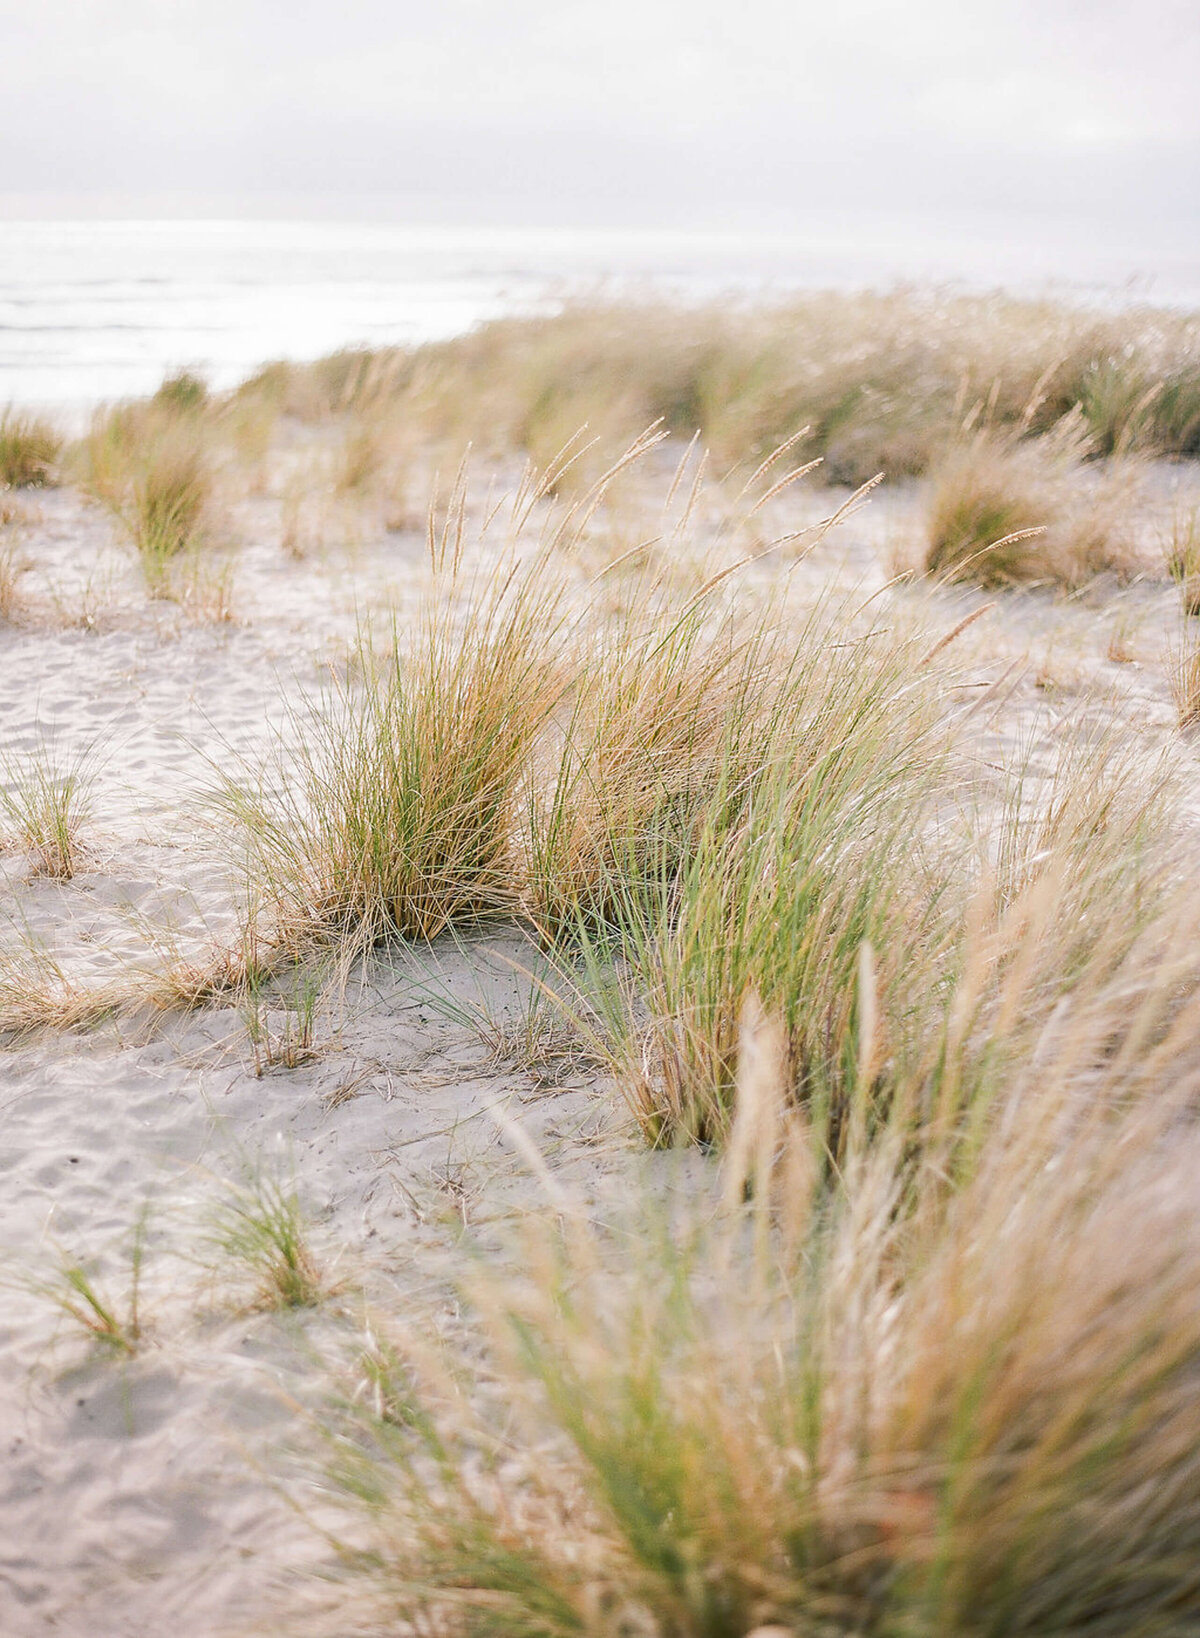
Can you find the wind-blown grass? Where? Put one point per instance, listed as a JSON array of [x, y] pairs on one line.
[[1003, 511], [261, 1227], [112, 1323], [884, 381], [802, 843], [397, 813], [861, 1403], [166, 505], [153, 465], [29, 451]]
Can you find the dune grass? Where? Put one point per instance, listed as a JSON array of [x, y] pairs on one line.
[[395, 817], [113, 1324], [47, 799], [1183, 675], [687, 801], [850, 1400], [12, 567], [1004, 511], [1181, 551], [182, 392], [884, 381], [297, 996], [153, 465], [260, 1227], [397, 812], [767, 866], [30, 448], [907, 1343], [165, 507], [654, 705]]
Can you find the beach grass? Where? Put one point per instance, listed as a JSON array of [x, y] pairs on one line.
[[883, 381], [30, 449], [870, 1310], [1003, 511], [854, 1401], [260, 1228], [47, 798]]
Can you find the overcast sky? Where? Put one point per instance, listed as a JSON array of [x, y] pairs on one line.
[[622, 110]]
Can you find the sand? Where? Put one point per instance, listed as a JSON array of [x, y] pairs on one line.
[[169, 1491]]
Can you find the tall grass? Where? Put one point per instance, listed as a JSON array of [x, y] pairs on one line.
[[12, 566], [803, 844], [1183, 675], [165, 507], [655, 704], [153, 466], [861, 1403], [30, 448], [1182, 555], [396, 816], [1003, 511], [883, 380], [689, 800]]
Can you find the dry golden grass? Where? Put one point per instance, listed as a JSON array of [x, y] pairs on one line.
[[37, 994], [1181, 553], [166, 507], [943, 1394], [1183, 674], [397, 816], [203, 586], [1004, 511], [918, 1352], [12, 568], [884, 381], [155, 465], [29, 451]]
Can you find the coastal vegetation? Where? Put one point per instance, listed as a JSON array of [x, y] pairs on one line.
[[842, 883]]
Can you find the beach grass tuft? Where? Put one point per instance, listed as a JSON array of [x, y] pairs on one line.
[[30, 448]]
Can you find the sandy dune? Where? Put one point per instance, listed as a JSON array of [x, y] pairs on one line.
[[144, 1495]]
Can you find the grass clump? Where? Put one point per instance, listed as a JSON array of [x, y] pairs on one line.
[[111, 1324], [48, 801], [1183, 676], [298, 998], [802, 845], [1003, 512], [153, 466], [655, 705], [1182, 554], [395, 814], [857, 1404], [166, 506], [262, 1228], [181, 393], [29, 451], [12, 567]]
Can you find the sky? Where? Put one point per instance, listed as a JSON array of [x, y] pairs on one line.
[[627, 110]]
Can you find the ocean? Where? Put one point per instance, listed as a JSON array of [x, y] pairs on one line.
[[97, 310]]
